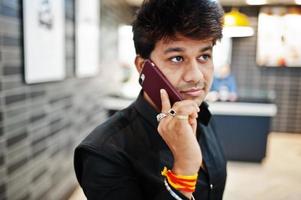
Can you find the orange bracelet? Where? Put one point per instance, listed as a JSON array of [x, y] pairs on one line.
[[180, 182]]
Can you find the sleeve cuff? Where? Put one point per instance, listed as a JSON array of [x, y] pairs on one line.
[[175, 193]]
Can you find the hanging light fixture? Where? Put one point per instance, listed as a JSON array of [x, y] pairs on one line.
[[237, 24], [256, 2]]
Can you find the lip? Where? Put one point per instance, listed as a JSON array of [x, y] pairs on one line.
[[195, 92]]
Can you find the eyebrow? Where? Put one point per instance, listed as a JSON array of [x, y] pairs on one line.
[[179, 49]]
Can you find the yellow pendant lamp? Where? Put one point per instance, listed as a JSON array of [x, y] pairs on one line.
[[236, 18], [237, 24]]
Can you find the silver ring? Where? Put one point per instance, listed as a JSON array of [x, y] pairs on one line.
[[160, 116], [172, 112]]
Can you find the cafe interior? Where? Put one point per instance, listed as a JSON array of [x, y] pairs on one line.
[[50, 100]]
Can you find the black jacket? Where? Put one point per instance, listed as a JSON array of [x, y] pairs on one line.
[[123, 158]]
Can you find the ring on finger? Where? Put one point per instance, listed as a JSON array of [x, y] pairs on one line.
[[172, 112], [160, 116]]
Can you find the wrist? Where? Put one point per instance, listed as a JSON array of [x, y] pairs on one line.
[[186, 168], [187, 194]]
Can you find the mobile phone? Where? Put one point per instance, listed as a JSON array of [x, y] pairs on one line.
[[152, 80]]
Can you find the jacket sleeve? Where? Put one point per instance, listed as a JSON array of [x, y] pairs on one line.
[[110, 177]]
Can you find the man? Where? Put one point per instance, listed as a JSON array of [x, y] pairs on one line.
[[124, 157]]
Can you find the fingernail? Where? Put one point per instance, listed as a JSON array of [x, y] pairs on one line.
[[161, 91]]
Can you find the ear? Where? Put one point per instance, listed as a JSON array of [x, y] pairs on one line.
[[139, 61]]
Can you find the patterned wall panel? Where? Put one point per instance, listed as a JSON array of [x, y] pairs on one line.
[[41, 124]]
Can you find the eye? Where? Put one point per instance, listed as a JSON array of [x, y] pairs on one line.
[[205, 57], [176, 59]]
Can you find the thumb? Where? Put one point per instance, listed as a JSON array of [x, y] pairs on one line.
[[164, 100], [193, 124]]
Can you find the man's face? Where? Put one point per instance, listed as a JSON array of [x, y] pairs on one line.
[[187, 64]]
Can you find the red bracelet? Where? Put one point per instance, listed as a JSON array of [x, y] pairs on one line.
[[180, 182]]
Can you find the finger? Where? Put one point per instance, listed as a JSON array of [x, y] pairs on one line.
[[164, 100], [193, 124], [194, 115], [186, 103], [186, 110]]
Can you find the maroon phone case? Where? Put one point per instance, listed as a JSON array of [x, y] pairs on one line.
[[152, 80]]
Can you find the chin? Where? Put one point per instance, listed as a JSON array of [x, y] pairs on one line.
[[199, 100]]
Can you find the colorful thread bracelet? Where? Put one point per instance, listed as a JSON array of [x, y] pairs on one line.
[[180, 182]]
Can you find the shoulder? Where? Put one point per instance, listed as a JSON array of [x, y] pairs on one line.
[[109, 132], [104, 144]]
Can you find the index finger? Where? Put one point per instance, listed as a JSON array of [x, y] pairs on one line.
[[164, 101]]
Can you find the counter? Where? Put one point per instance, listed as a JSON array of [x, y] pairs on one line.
[[243, 128]]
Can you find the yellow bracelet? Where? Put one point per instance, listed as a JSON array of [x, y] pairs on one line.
[[180, 182], [187, 177]]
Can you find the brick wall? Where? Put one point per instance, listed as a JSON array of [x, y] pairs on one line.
[[41, 124]]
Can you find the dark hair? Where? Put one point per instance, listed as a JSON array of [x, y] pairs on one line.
[[163, 19]]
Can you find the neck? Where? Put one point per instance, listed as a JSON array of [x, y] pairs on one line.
[[148, 99]]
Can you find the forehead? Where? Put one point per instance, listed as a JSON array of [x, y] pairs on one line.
[[183, 42]]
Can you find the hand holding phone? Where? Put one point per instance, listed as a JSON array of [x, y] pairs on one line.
[[179, 135], [152, 80]]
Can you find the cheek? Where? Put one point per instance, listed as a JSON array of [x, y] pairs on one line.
[[208, 76], [172, 73], [174, 76]]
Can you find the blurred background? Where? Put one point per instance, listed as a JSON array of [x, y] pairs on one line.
[[66, 66]]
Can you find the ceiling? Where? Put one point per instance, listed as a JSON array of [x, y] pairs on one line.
[[236, 2]]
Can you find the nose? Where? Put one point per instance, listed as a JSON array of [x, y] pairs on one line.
[[193, 73]]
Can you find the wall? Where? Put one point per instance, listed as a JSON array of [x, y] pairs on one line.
[[286, 82], [41, 124]]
